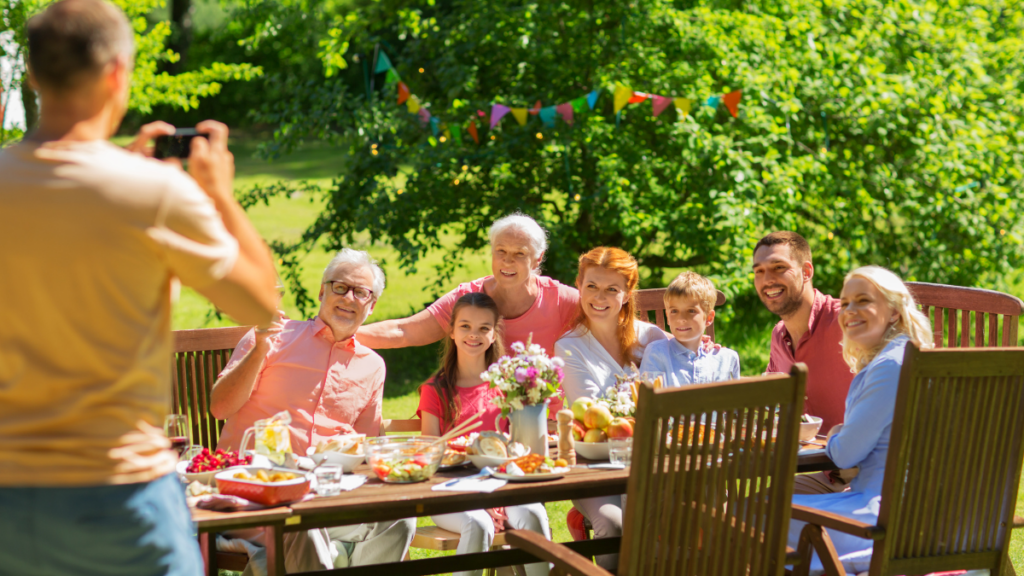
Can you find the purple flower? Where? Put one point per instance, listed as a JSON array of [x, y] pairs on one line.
[[531, 372], [521, 375]]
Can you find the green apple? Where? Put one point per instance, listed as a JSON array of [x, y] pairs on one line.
[[579, 407]]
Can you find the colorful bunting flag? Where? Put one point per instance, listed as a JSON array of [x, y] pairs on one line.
[[683, 105], [424, 116], [481, 113], [713, 102], [579, 104], [536, 109], [622, 96], [498, 111], [732, 102], [383, 63], [433, 122], [403, 93], [520, 114], [413, 104], [592, 98], [566, 111], [659, 103], [472, 130], [547, 116], [456, 134], [638, 97], [392, 76]]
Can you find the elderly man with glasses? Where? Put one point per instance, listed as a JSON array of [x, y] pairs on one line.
[[330, 384]]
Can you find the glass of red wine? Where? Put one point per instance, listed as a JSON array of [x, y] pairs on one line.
[[177, 430]]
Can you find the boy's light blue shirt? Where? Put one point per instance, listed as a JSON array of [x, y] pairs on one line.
[[683, 366]]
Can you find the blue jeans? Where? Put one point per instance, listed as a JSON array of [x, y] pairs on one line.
[[131, 529]]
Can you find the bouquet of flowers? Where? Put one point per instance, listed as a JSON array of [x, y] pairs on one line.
[[526, 379]]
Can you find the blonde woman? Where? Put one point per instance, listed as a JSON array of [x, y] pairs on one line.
[[878, 318]]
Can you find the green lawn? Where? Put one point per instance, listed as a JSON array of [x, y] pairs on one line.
[[286, 218]]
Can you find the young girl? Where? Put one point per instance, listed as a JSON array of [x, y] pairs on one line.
[[456, 392]]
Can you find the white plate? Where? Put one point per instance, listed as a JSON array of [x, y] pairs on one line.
[[528, 477], [465, 462]]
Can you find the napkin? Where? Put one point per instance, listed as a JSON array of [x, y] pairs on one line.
[[470, 485]]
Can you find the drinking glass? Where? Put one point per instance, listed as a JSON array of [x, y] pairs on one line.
[[620, 450], [178, 432], [657, 379], [328, 480]]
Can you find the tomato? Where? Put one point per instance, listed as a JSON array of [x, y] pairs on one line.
[[381, 470]]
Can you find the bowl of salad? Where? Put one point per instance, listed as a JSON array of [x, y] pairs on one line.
[[404, 459]]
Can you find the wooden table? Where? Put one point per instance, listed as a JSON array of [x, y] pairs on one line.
[[376, 501]]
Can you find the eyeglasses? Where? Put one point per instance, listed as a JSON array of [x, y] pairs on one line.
[[358, 292]]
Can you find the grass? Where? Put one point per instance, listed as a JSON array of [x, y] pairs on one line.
[[285, 218]]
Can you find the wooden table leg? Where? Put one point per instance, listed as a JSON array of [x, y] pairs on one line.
[[208, 548], [275, 549]]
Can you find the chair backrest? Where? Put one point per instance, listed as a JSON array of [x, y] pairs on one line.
[[954, 462], [713, 498], [199, 356], [939, 300], [653, 300], [396, 426]]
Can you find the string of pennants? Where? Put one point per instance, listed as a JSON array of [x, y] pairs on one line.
[[623, 95]]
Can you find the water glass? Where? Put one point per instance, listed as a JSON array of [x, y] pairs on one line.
[[191, 452], [328, 480], [620, 450], [177, 429]]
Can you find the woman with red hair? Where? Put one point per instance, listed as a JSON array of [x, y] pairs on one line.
[[606, 338]]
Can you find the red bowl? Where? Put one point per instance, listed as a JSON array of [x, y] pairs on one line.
[[266, 493]]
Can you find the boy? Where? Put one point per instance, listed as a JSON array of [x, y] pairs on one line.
[[690, 308]]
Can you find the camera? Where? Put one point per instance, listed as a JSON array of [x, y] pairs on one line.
[[176, 146]]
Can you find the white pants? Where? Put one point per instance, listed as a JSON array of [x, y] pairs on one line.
[[605, 515], [374, 543], [476, 531]]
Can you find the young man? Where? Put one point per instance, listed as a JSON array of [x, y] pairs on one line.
[[330, 384], [690, 309], [808, 332], [93, 237]]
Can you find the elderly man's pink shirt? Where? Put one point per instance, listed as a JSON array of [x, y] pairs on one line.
[[328, 387]]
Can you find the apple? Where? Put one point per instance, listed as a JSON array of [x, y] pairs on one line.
[[597, 416], [578, 430], [620, 428], [579, 407], [595, 435]]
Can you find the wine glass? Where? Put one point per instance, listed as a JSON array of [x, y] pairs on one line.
[[177, 429]]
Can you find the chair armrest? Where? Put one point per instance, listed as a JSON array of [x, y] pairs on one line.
[[1018, 522], [837, 522], [549, 551]]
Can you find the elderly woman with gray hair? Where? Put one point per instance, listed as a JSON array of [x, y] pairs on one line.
[[528, 302]]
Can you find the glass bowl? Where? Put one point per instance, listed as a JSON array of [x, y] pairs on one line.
[[404, 459]]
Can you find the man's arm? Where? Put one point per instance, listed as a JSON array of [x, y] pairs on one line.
[[233, 389], [248, 292], [419, 329]]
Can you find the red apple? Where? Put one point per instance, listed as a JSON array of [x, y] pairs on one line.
[[597, 416], [620, 428], [595, 435], [578, 430]]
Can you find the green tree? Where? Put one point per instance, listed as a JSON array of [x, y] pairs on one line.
[[886, 132], [150, 87]]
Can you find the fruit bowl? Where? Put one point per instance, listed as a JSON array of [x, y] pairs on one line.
[[808, 430], [201, 477], [592, 450], [404, 459], [266, 493]]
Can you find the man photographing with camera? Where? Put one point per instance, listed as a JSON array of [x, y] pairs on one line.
[[92, 237]]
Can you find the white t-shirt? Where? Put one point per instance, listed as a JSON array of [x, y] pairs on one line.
[[589, 369]]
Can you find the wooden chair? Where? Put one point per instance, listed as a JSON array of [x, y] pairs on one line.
[[704, 499], [199, 356], [653, 300], [953, 468], [938, 300]]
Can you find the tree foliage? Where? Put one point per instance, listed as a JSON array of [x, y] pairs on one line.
[[150, 86], [887, 132]]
